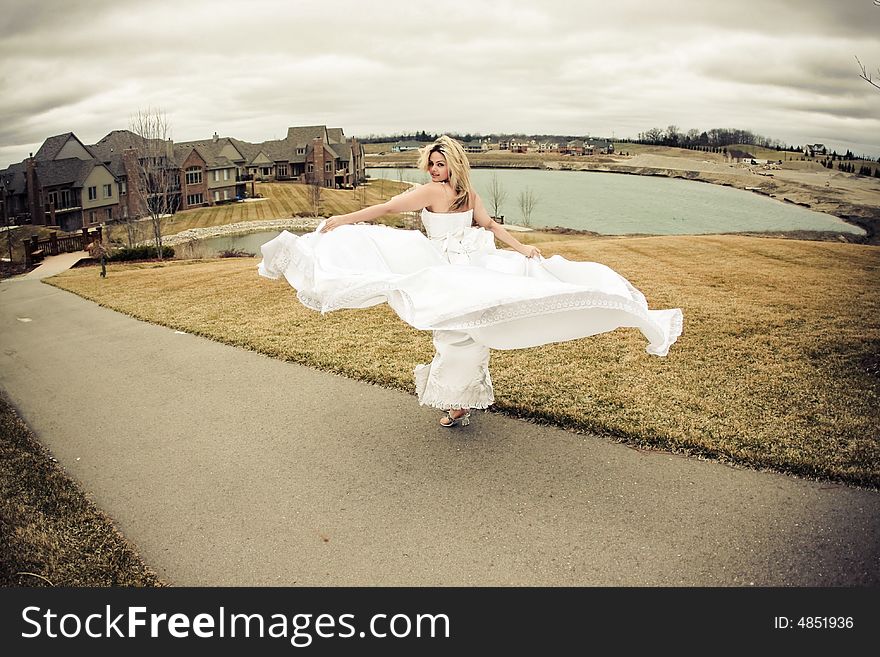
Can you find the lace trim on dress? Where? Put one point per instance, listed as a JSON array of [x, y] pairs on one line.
[[478, 394]]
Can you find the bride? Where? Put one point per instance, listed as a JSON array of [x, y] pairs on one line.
[[457, 284]]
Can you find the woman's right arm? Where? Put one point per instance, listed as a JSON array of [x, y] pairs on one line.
[[412, 199]]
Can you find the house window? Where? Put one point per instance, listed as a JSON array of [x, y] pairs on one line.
[[216, 175], [266, 171], [300, 151], [193, 176], [123, 187], [53, 198], [328, 167], [93, 193], [108, 191], [225, 174], [195, 199], [92, 218], [66, 199], [109, 214], [310, 167], [216, 196], [225, 194], [282, 170]]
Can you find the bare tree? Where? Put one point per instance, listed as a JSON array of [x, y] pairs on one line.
[[158, 180], [867, 76], [654, 135], [315, 194], [527, 202], [497, 194]]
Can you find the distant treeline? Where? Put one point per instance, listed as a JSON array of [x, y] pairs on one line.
[[714, 138]]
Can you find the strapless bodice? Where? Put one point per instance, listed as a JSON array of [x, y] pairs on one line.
[[451, 233]]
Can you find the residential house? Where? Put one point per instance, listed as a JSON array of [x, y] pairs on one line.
[[478, 146], [601, 146], [812, 150], [71, 185], [120, 150], [404, 146], [63, 185], [13, 194], [574, 147], [212, 171]]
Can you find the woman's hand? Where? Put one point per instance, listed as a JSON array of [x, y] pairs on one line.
[[333, 222], [530, 251]]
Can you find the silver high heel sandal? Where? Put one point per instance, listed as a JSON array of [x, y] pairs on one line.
[[463, 420]]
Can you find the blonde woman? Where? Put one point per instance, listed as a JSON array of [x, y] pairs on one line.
[[455, 283]]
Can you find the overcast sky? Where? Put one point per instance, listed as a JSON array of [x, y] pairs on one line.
[[251, 68]]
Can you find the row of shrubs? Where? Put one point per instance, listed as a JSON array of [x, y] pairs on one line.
[[139, 253]]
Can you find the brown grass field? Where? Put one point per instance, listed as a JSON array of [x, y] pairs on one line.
[[777, 368]]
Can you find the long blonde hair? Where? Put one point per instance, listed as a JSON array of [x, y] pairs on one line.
[[456, 163]]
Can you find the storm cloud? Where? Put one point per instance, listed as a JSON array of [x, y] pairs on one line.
[[784, 69]]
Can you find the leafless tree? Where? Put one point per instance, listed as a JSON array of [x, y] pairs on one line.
[[316, 192], [867, 76], [527, 202], [497, 194], [158, 182]]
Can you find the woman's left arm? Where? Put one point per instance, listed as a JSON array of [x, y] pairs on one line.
[[484, 220]]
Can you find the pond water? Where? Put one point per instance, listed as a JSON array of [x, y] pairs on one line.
[[212, 246], [616, 204]]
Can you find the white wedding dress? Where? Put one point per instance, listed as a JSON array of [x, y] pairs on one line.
[[473, 296]]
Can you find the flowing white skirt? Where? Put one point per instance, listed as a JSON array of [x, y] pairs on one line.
[[501, 299]]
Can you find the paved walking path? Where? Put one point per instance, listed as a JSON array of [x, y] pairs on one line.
[[226, 467], [55, 265]]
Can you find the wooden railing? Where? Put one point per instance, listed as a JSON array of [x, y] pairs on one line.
[[36, 249]]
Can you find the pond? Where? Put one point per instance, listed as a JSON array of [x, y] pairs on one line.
[[211, 247], [616, 204]]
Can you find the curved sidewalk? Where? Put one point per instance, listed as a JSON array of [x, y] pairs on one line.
[[226, 467]]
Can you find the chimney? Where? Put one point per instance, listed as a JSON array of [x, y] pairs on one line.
[[169, 149], [34, 193], [216, 137], [318, 155]]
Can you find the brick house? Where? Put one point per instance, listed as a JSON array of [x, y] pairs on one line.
[[574, 147], [63, 185], [306, 154], [71, 185]]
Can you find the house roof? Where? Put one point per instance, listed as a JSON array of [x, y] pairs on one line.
[[335, 135], [300, 135], [52, 146], [115, 143], [111, 147], [15, 176], [69, 171], [211, 150], [342, 151]]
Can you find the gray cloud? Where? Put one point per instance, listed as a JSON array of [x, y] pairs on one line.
[[250, 70]]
